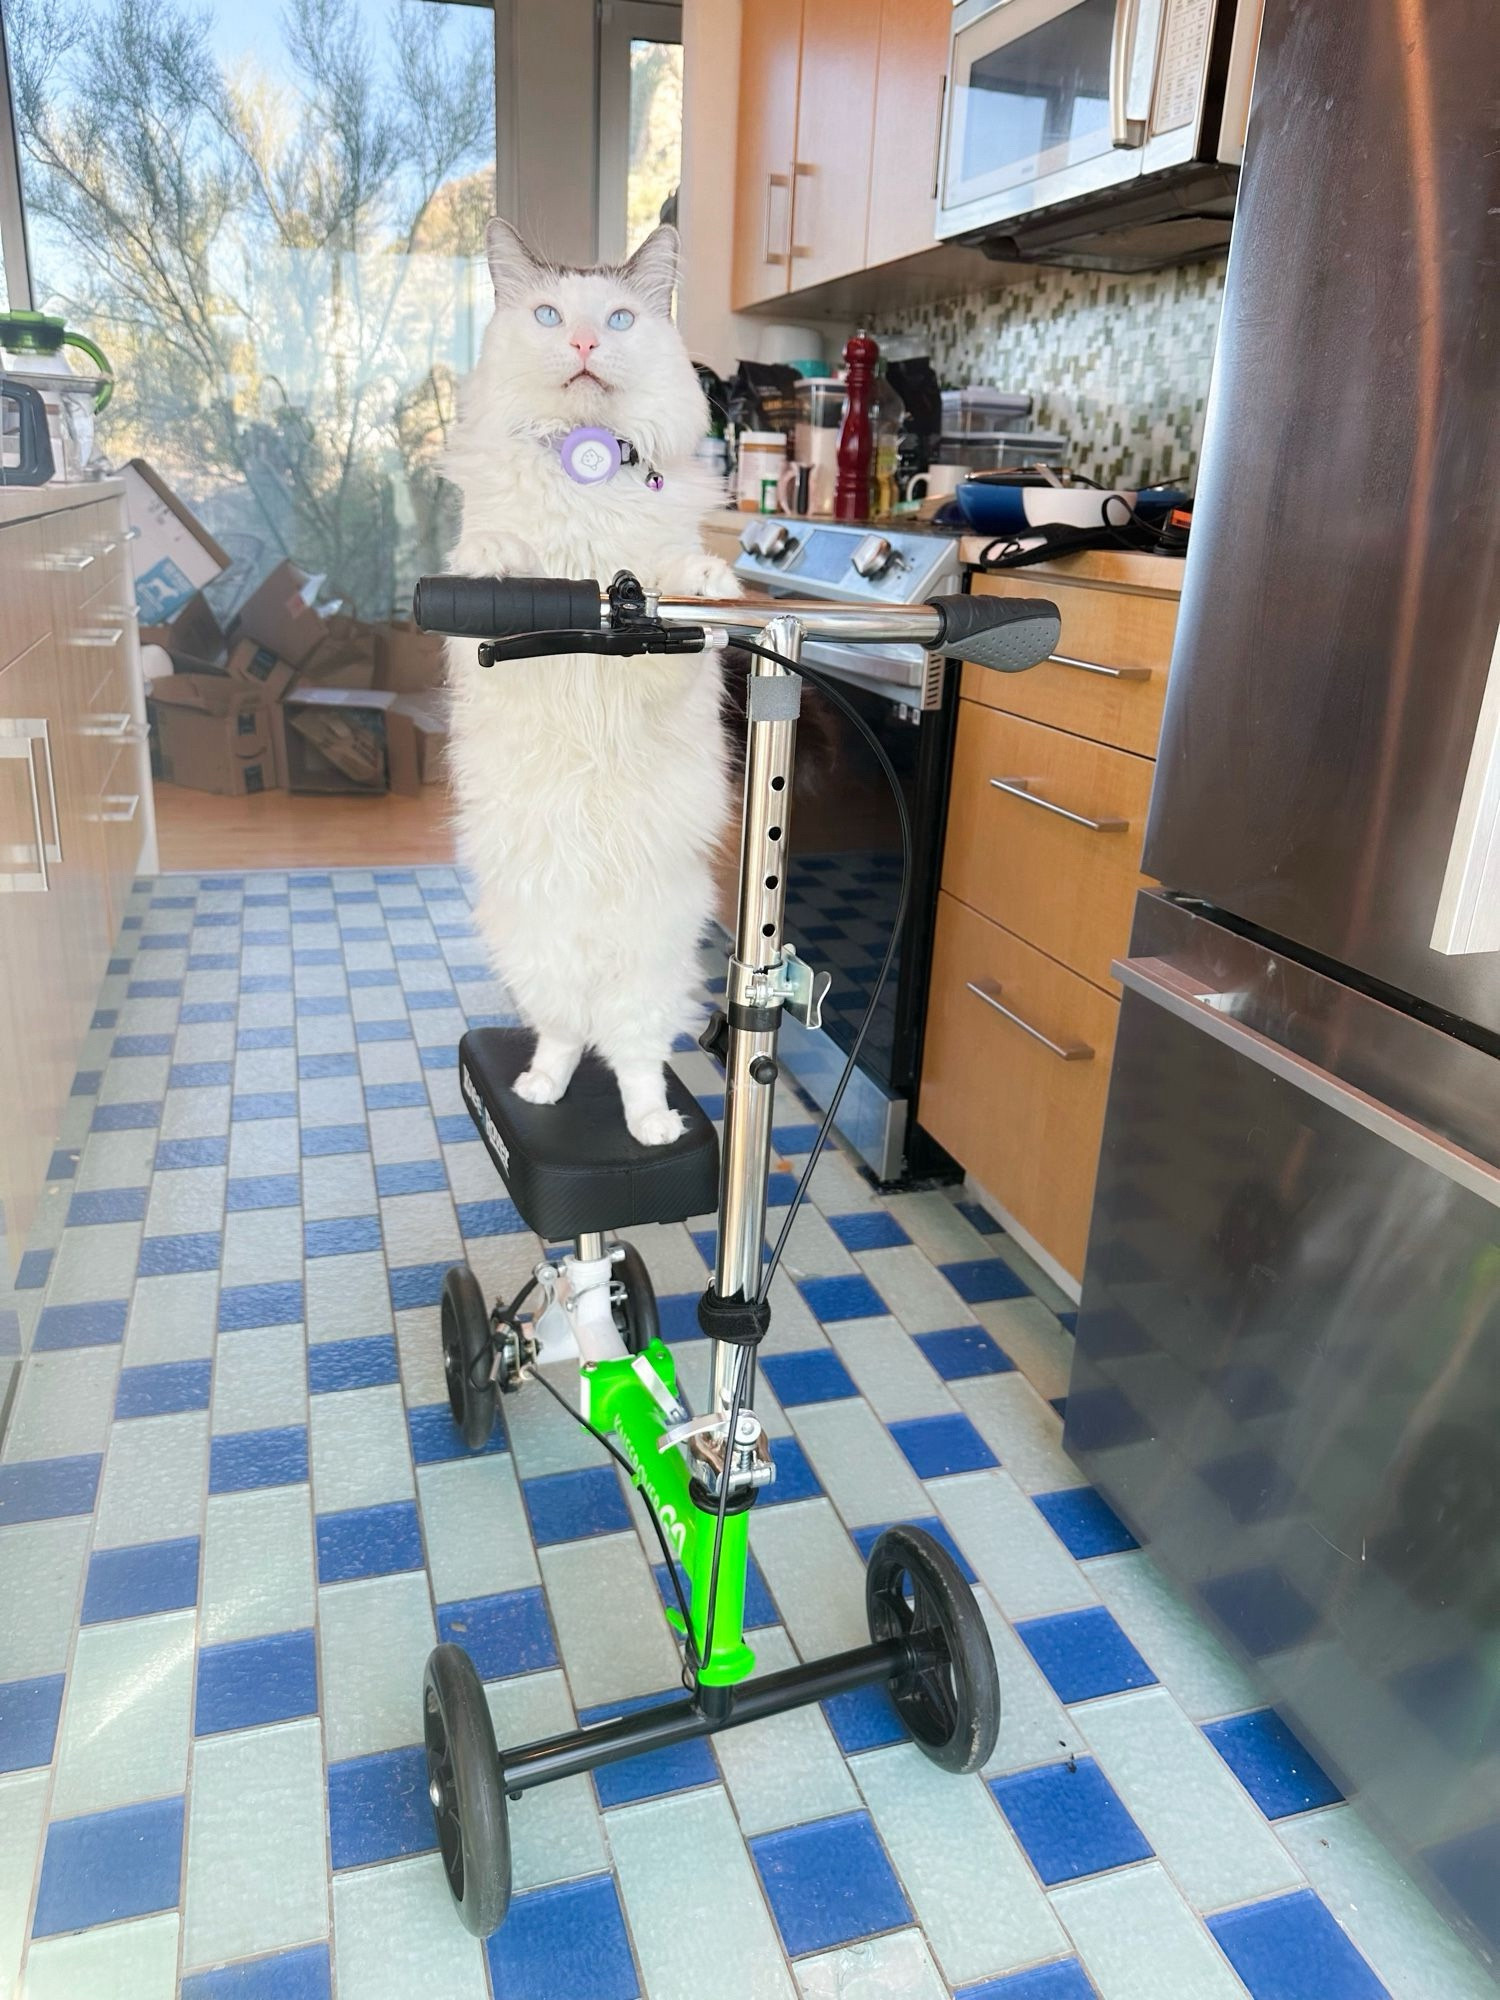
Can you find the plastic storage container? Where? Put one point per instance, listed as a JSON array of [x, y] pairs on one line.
[[998, 451], [983, 408]]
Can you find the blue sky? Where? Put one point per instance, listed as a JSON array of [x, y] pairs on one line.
[[239, 29]]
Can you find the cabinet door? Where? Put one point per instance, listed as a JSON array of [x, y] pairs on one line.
[[770, 64], [908, 116], [835, 121]]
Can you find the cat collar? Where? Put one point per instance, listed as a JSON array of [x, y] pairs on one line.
[[590, 456]]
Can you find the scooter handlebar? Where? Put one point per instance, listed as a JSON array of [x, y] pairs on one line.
[[1008, 634], [504, 607]]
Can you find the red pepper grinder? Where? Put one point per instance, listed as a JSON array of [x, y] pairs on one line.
[[851, 498]]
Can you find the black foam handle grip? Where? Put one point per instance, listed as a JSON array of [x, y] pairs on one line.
[[1006, 633], [502, 607]]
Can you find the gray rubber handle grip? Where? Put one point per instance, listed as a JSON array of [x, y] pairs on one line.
[[504, 607], [1006, 633]]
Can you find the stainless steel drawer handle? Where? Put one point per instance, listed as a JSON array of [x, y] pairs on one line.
[[1020, 788], [1098, 667], [989, 992], [1169, 987], [101, 638], [71, 562], [774, 181], [119, 808], [115, 725], [19, 740]]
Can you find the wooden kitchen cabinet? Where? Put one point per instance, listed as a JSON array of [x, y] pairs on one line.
[[770, 69], [911, 73], [1036, 903], [835, 128]]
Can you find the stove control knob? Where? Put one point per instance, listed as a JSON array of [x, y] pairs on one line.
[[874, 556], [776, 542], [752, 539]]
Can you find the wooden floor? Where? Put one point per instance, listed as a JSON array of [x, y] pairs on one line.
[[197, 831]]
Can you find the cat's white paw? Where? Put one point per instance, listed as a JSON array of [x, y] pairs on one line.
[[657, 1128], [538, 1086]]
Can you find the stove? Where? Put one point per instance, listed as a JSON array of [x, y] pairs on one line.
[[844, 864]]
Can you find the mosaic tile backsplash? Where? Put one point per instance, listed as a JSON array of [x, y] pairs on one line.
[[1118, 365]]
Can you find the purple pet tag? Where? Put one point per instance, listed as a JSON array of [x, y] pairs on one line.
[[590, 455]]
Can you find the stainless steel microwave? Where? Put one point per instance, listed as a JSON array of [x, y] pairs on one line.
[[1103, 133]]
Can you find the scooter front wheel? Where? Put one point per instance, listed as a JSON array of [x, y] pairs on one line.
[[468, 1355], [465, 1791], [915, 1590]]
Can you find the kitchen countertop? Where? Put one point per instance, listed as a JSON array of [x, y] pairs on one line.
[[25, 503], [1123, 569]]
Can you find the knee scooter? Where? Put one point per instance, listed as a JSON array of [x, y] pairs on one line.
[[576, 1175]]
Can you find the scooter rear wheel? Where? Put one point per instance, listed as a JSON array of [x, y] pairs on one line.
[[468, 1355], [915, 1590], [465, 1790], [635, 1313]]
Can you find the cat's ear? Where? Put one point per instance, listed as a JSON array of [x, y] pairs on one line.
[[652, 271], [513, 265]]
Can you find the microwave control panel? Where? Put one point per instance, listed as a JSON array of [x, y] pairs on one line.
[[1184, 53]]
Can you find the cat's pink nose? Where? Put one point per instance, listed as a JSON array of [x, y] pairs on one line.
[[583, 343]]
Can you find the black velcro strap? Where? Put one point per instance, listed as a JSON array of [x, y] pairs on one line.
[[741, 1322]]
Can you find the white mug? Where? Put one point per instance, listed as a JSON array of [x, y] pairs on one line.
[[937, 479]]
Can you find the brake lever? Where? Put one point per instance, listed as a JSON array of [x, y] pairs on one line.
[[644, 638]]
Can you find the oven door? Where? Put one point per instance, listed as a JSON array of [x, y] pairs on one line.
[[1039, 97]]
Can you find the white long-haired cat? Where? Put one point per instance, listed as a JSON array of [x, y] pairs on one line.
[[591, 790]]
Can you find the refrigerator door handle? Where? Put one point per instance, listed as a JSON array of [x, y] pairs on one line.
[[1167, 986], [1468, 912]]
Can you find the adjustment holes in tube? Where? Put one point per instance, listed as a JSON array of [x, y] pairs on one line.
[[773, 881], [773, 833], [778, 784], [768, 930]]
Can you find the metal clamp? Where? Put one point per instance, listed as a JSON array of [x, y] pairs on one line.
[[1020, 788], [797, 987], [989, 992]]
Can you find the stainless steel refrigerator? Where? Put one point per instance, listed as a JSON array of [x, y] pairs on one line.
[[1288, 1365]]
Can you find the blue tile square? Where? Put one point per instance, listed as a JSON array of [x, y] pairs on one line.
[[395, 1097], [980, 1279], [677, 1316], [164, 1256], [107, 1865], [456, 1128], [795, 1478], [378, 1808], [1084, 1654], [242, 1306], [503, 1635], [163, 1388], [239, 1460], [794, 1139], [383, 1031], [760, 1606], [372, 978], [1084, 1522], [780, 1187], [979, 1218], [416, 1285], [936, 1446], [248, 1191], [336, 1062], [443, 1057], [266, 1038], [63, 1166], [411, 1177], [125, 1117], [1063, 1979], [569, 1939], [436, 1438], [828, 1882], [28, 1721], [320, 1141], [251, 1681], [866, 1538], [849, 1297], [341, 1236], [351, 1364], [489, 1218], [105, 1017], [864, 1719], [816, 1375], [710, 1103], [86, 1083], [369, 1541], [868, 1229], [96, 1205], [45, 1489], [1278, 1771], [960, 1351], [165, 941], [1069, 1820], [174, 1153], [136, 1582], [100, 1324], [318, 1006], [148, 989], [676, 1769], [1292, 1949], [198, 1012], [199, 1075], [1262, 1611], [33, 1270], [429, 998], [141, 1045], [250, 1107], [567, 1506]]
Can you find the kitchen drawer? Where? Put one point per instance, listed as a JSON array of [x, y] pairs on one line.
[[1019, 1102], [1064, 886], [25, 597], [1121, 644]]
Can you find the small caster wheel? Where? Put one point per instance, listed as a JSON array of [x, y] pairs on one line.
[[914, 1590], [632, 1300], [467, 1355], [464, 1789]]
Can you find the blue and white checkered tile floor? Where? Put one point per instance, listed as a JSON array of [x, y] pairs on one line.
[[234, 1517]]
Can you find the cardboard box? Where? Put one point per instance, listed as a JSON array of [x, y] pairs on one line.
[[257, 669], [408, 661], [345, 656], [228, 754], [280, 614], [427, 717], [192, 636], [209, 694], [173, 554], [328, 739]]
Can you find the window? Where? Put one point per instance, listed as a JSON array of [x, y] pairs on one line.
[[640, 121], [272, 221]]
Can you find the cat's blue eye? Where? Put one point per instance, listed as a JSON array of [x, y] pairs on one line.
[[547, 316], [621, 318]]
